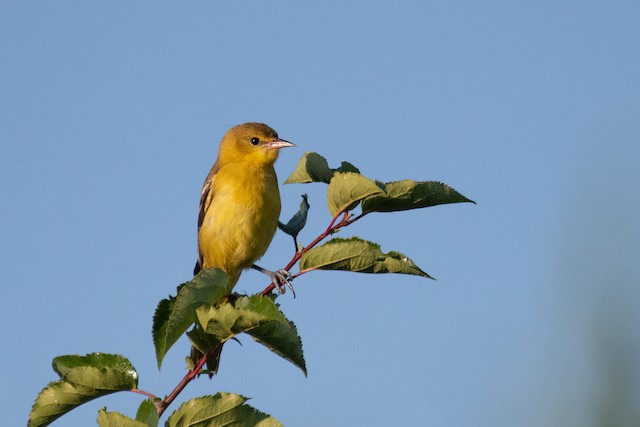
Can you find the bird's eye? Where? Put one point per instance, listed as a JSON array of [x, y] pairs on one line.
[[255, 141]]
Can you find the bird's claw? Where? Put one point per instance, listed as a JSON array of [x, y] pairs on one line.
[[281, 279]]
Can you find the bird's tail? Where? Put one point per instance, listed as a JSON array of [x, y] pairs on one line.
[[198, 267]]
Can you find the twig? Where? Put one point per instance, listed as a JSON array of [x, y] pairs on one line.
[[332, 228], [163, 404], [146, 393], [354, 219]]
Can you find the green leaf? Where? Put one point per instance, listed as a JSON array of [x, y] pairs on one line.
[[312, 167], [83, 378], [174, 316], [355, 254], [261, 318], [283, 340], [201, 343], [221, 409], [297, 221], [58, 398], [231, 318], [201, 340], [160, 325], [97, 370], [147, 413], [347, 189], [347, 167], [407, 194], [115, 419]]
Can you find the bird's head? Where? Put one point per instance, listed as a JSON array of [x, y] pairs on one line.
[[255, 143]]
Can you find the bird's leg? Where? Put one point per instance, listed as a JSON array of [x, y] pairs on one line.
[[280, 279]]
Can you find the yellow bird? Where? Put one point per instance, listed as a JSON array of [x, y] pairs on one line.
[[240, 203]]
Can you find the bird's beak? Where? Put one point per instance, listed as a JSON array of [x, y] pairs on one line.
[[278, 144]]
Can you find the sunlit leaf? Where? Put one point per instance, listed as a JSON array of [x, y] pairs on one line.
[[347, 189], [83, 378], [312, 167], [58, 398], [258, 316], [221, 409], [101, 371], [225, 320], [355, 254], [115, 419]]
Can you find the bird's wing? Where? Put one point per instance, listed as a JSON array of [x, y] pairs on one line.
[[205, 201], [206, 195]]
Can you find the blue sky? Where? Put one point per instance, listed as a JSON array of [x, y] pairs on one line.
[[111, 116]]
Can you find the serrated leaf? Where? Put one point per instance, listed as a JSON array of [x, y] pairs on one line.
[[355, 254], [201, 343], [160, 324], [116, 419], [231, 318], [312, 167], [58, 398], [101, 371], [283, 340], [174, 316], [407, 194], [346, 189], [221, 409], [297, 221], [84, 378], [147, 413], [261, 318]]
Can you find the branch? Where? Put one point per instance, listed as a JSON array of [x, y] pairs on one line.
[[332, 228], [163, 404]]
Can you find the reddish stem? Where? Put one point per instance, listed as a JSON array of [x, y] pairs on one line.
[[163, 404], [332, 228], [146, 393]]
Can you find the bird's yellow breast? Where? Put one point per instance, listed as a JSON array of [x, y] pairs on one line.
[[241, 218]]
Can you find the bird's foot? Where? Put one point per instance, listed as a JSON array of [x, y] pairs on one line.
[[281, 279]]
